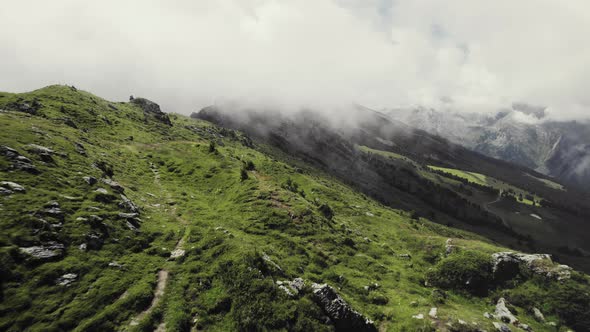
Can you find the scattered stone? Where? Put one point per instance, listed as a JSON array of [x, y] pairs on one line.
[[344, 317], [47, 251], [45, 153], [269, 260], [131, 226], [4, 191], [115, 264], [372, 287], [94, 241], [102, 191], [12, 186], [177, 253], [80, 148], [91, 180], [83, 247], [503, 314], [114, 185], [538, 315], [124, 215], [418, 316], [369, 214], [128, 205], [66, 279], [450, 247], [525, 327], [19, 162], [433, 313], [488, 315], [292, 288], [501, 327], [69, 122]]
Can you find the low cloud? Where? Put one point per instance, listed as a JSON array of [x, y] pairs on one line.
[[461, 55]]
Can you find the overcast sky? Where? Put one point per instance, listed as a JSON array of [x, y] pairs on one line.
[[449, 54]]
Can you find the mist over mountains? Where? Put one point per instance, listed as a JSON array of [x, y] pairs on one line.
[[522, 135]]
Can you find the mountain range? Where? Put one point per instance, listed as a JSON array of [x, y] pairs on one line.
[[118, 216], [521, 135]]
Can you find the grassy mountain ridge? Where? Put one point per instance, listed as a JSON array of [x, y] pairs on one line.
[[133, 219]]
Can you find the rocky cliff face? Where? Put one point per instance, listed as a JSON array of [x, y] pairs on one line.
[[558, 149]]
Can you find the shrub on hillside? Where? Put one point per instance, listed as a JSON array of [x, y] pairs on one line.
[[468, 271]]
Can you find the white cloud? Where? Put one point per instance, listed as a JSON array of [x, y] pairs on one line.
[[184, 54]]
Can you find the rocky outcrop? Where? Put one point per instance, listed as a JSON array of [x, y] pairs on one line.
[[91, 180], [11, 187], [128, 205], [538, 315], [292, 288], [19, 161], [114, 185], [80, 148], [66, 279], [344, 317], [503, 314], [507, 265], [45, 153], [152, 110], [47, 251], [501, 327]]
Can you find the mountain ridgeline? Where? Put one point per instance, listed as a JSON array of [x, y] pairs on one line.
[[117, 216], [560, 149]]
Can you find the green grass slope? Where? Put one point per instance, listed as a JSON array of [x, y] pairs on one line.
[[236, 219]]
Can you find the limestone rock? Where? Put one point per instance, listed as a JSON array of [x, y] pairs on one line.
[[344, 317], [538, 315], [433, 313], [47, 251], [114, 185], [12, 186], [91, 180], [66, 279], [503, 314], [128, 205], [502, 327]]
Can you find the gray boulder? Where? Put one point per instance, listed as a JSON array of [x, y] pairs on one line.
[[501, 327], [503, 314], [80, 148], [19, 161], [538, 315], [152, 110], [90, 180], [342, 315], [128, 205], [507, 265], [114, 185], [66, 279], [12, 186], [47, 251], [45, 153]]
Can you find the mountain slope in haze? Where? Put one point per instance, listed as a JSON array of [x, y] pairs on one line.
[[495, 209], [559, 149], [117, 216]]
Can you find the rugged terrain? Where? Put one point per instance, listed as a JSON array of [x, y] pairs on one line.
[[118, 216], [520, 135]]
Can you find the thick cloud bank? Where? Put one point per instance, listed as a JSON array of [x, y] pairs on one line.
[[452, 54]]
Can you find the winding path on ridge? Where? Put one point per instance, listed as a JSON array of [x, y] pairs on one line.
[[163, 273], [158, 293]]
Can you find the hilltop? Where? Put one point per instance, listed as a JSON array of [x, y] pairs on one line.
[[119, 216]]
